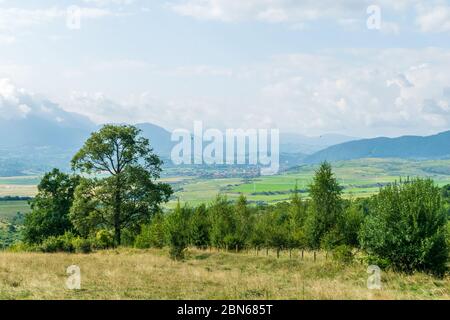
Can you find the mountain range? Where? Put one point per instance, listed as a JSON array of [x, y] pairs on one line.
[[407, 147], [48, 138]]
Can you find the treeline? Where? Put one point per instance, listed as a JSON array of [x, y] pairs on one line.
[[15, 198], [405, 226]]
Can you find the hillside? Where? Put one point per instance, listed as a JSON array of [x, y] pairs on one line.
[[150, 274], [406, 147]]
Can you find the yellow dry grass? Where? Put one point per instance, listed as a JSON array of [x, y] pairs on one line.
[[150, 274], [17, 190]]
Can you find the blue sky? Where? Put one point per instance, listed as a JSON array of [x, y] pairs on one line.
[[301, 66]]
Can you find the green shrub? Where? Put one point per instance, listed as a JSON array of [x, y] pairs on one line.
[[82, 245], [406, 227], [128, 237], [343, 254], [22, 247], [52, 244], [177, 226], [62, 243], [200, 227], [448, 234], [143, 238], [104, 239], [67, 242], [152, 235]]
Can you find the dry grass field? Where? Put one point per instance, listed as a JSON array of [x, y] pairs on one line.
[[150, 274]]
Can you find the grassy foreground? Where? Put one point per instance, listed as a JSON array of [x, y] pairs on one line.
[[150, 274]]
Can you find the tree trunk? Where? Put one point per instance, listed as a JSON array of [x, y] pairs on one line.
[[117, 235], [117, 212]]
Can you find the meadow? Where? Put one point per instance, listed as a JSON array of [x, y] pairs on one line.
[[151, 274], [127, 273]]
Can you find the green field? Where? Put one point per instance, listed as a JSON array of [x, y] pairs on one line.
[[360, 178], [19, 186], [8, 209]]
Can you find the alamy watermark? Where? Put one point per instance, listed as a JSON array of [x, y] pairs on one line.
[[259, 147], [374, 279], [374, 20], [73, 281], [73, 17]]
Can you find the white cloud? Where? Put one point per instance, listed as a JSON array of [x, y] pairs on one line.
[[358, 92], [286, 11], [104, 3], [433, 18], [18, 103], [7, 39], [268, 10], [202, 70], [390, 27], [13, 19], [388, 91], [430, 15], [119, 64]]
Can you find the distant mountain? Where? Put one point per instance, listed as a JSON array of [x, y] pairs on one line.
[[159, 138], [37, 135], [297, 143], [34, 145], [35, 132], [407, 147]]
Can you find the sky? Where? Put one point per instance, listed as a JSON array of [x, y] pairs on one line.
[[308, 67]]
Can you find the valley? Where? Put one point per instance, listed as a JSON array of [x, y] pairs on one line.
[[359, 178]]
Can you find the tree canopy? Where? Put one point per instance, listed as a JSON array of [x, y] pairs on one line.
[[128, 194], [51, 206]]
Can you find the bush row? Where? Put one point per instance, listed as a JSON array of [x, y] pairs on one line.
[[68, 243]]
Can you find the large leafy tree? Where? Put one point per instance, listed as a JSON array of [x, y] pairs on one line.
[[125, 192], [326, 205], [50, 208], [405, 228]]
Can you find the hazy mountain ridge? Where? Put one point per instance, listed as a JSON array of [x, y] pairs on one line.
[[48, 137], [407, 147]]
